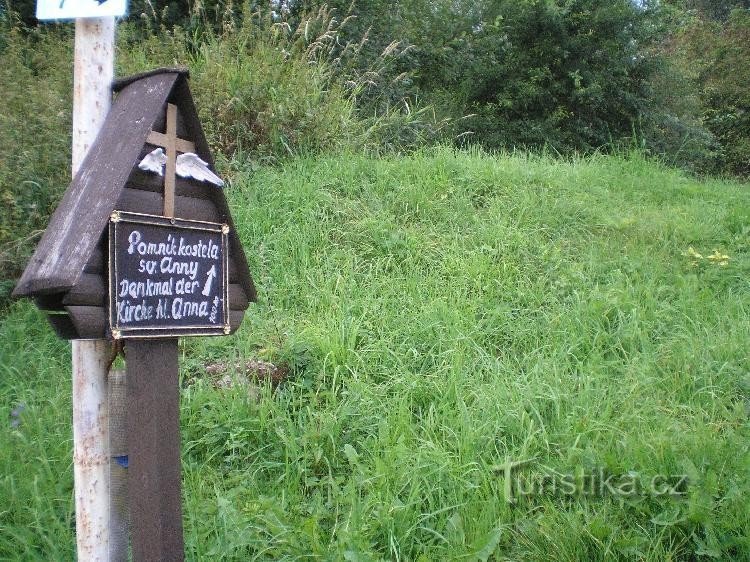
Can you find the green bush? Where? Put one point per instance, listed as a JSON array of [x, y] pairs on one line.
[[572, 75], [712, 57], [727, 94], [674, 129]]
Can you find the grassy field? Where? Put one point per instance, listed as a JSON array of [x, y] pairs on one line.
[[490, 358]]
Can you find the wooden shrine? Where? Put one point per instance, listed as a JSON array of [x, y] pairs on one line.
[[68, 275], [141, 252]]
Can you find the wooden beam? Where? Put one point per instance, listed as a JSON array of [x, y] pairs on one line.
[[90, 290], [171, 168], [135, 201], [153, 421], [160, 139], [90, 321], [145, 181]]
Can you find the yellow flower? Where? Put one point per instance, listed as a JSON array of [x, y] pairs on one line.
[[719, 258], [693, 254]]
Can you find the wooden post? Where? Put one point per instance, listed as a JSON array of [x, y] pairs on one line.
[[153, 413], [153, 408], [94, 70]]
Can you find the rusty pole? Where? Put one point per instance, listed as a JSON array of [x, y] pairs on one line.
[[94, 70]]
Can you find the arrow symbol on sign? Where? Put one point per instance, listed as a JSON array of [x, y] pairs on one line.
[[211, 275], [100, 2]]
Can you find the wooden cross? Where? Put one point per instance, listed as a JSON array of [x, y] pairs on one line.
[[171, 144]]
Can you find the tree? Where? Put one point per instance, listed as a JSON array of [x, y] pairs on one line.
[[716, 10], [711, 56], [571, 74], [725, 89]]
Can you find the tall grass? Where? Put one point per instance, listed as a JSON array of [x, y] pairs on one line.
[[35, 86], [266, 90], [444, 315], [269, 88]]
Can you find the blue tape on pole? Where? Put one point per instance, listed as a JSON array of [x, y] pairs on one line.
[[122, 460]]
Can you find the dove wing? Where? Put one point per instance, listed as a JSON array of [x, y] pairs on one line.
[[190, 165], [154, 161]]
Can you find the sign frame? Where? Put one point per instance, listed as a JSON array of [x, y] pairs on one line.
[[118, 331], [52, 10]]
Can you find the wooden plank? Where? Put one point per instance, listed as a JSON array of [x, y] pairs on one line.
[[237, 297], [147, 181], [122, 83], [89, 321], [52, 302], [234, 276], [95, 264], [136, 201], [183, 132], [171, 167], [235, 319], [89, 290], [79, 220], [63, 326], [161, 122], [153, 420], [161, 139]]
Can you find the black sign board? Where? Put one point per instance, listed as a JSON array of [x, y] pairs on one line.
[[167, 277]]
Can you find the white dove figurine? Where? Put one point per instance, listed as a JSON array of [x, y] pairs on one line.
[[190, 165], [154, 162]]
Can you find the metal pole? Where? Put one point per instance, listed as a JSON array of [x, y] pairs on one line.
[[94, 70]]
